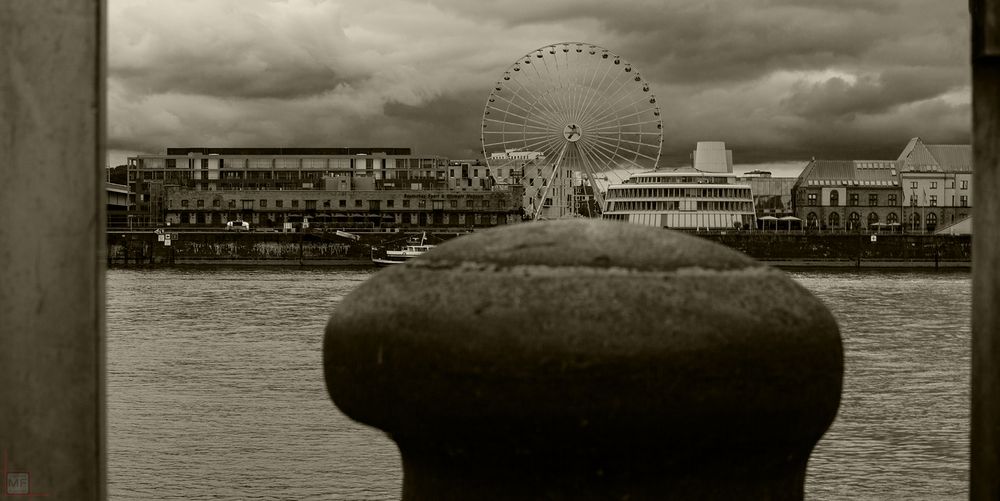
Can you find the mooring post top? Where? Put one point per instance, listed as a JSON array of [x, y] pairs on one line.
[[587, 341]]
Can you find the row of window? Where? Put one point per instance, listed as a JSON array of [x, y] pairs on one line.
[[672, 205], [679, 193], [327, 204], [934, 185], [291, 175], [676, 179], [265, 162], [893, 200], [270, 219], [854, 219], [854, 199]]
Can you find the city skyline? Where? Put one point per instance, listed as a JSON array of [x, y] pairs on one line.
[[778, 81]]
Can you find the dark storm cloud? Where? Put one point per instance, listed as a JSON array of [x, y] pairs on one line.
[[778, 80], [870, 94], [229, 79], [435, 125], [719, 40]]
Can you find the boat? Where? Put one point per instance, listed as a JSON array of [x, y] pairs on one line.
[[412, 249], [706, 196]]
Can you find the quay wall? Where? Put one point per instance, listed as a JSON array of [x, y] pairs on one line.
[[218, 248], [890, 250], [782, 249]]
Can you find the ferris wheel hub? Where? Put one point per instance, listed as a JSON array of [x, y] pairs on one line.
[[572, 132]]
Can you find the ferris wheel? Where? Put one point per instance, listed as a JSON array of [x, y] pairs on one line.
[[572, 106]]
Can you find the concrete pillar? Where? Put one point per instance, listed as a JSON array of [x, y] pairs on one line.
[[984, 475], [51, 248], [585, 359]]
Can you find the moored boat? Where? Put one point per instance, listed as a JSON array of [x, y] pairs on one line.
[[410, 251]]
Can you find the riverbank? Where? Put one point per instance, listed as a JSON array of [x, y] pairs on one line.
[[194, 248]]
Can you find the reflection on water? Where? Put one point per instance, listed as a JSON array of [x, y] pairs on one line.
[[215, 388]]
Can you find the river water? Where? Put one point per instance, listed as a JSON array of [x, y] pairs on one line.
[[215, 388]]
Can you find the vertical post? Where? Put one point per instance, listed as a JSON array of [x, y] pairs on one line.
[[52, 431], [984, 475]]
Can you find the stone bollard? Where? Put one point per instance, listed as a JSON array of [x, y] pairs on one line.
[[583, 359]]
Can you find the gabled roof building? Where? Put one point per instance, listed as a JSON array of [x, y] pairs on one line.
[[936, 180], [927, 188], [848, 194]]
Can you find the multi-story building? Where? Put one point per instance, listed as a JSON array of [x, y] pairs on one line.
[[116, 200], [545, 190], [936, 180], [704, 196], [848, 194], [357, 188], [926, 189], [772, 196]]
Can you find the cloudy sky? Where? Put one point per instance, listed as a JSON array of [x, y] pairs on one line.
[[780, 81]]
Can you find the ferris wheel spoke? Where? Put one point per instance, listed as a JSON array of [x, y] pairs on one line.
[[567, 86], [629, 115], [599, 104], [551, 112], [592, 177], [613, 125], [637, 143], [510, 102], [600, 155], [609, 108], [593, 93], [541, 118], [648, 137], [539, 144], [515, 124], [538, 74], [625, 88], [548, 71], [500, 143], [577, 87], [585, 92], [618, 149], [592, 155], [625, 134], [528, 102], [525, 120], [609, 150], [638, 103], [544, 100]]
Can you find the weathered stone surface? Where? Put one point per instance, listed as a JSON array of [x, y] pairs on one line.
[[587, 359]]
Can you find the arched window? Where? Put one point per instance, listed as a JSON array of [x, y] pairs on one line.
[[872, 219], [931, 221], [835, 199], [835, 220], [892, 218], [811, 220], [854, 221], [915, 221]]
